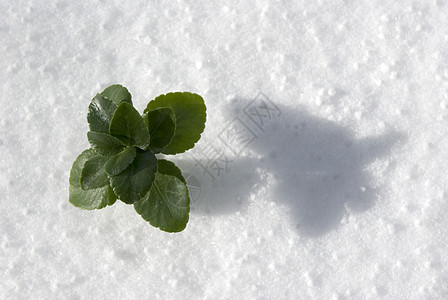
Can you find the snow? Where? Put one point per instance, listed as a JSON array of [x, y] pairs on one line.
[[327, 120]]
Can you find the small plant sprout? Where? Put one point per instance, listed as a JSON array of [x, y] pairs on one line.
[[122, 162]]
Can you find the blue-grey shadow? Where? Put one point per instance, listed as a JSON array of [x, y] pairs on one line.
[[316, 168]]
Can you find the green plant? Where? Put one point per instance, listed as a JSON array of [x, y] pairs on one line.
[[122, 163]]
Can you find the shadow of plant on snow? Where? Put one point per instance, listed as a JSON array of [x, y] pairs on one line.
[[316, 168]]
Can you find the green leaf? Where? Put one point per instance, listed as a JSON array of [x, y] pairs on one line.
[[117, 94], [88, 199], [161, 123], [101, 111], [167, 205], [190, 115], [136, 180], [128, 126], [93, 174], [169, 168], [105, 144], [117, 163]]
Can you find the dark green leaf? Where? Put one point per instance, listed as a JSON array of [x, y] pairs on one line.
[[88, 199], [190, 114], [105, 144], [128, 126], [161, 124], [136, 180], [167, 205], [169, 168], [101, 111], [117, 163], [113, 198], [93, 174], [117, 94]]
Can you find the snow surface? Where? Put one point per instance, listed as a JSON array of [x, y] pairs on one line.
[[340, 193]]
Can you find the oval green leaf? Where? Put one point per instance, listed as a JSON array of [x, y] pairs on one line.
[[117, 94], [136, 180], [87, 199], [119, 162], [162, 125], [128, 126], [169, 168], [190, 115], [93, 174], [105, 144], [167, 205], [101, 111]]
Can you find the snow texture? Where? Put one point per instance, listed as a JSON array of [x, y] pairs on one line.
[[322, 172]]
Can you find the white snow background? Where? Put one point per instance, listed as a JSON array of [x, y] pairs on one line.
[[340, 194]]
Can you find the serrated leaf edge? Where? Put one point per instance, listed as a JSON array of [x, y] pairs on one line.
[[202, 129]]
